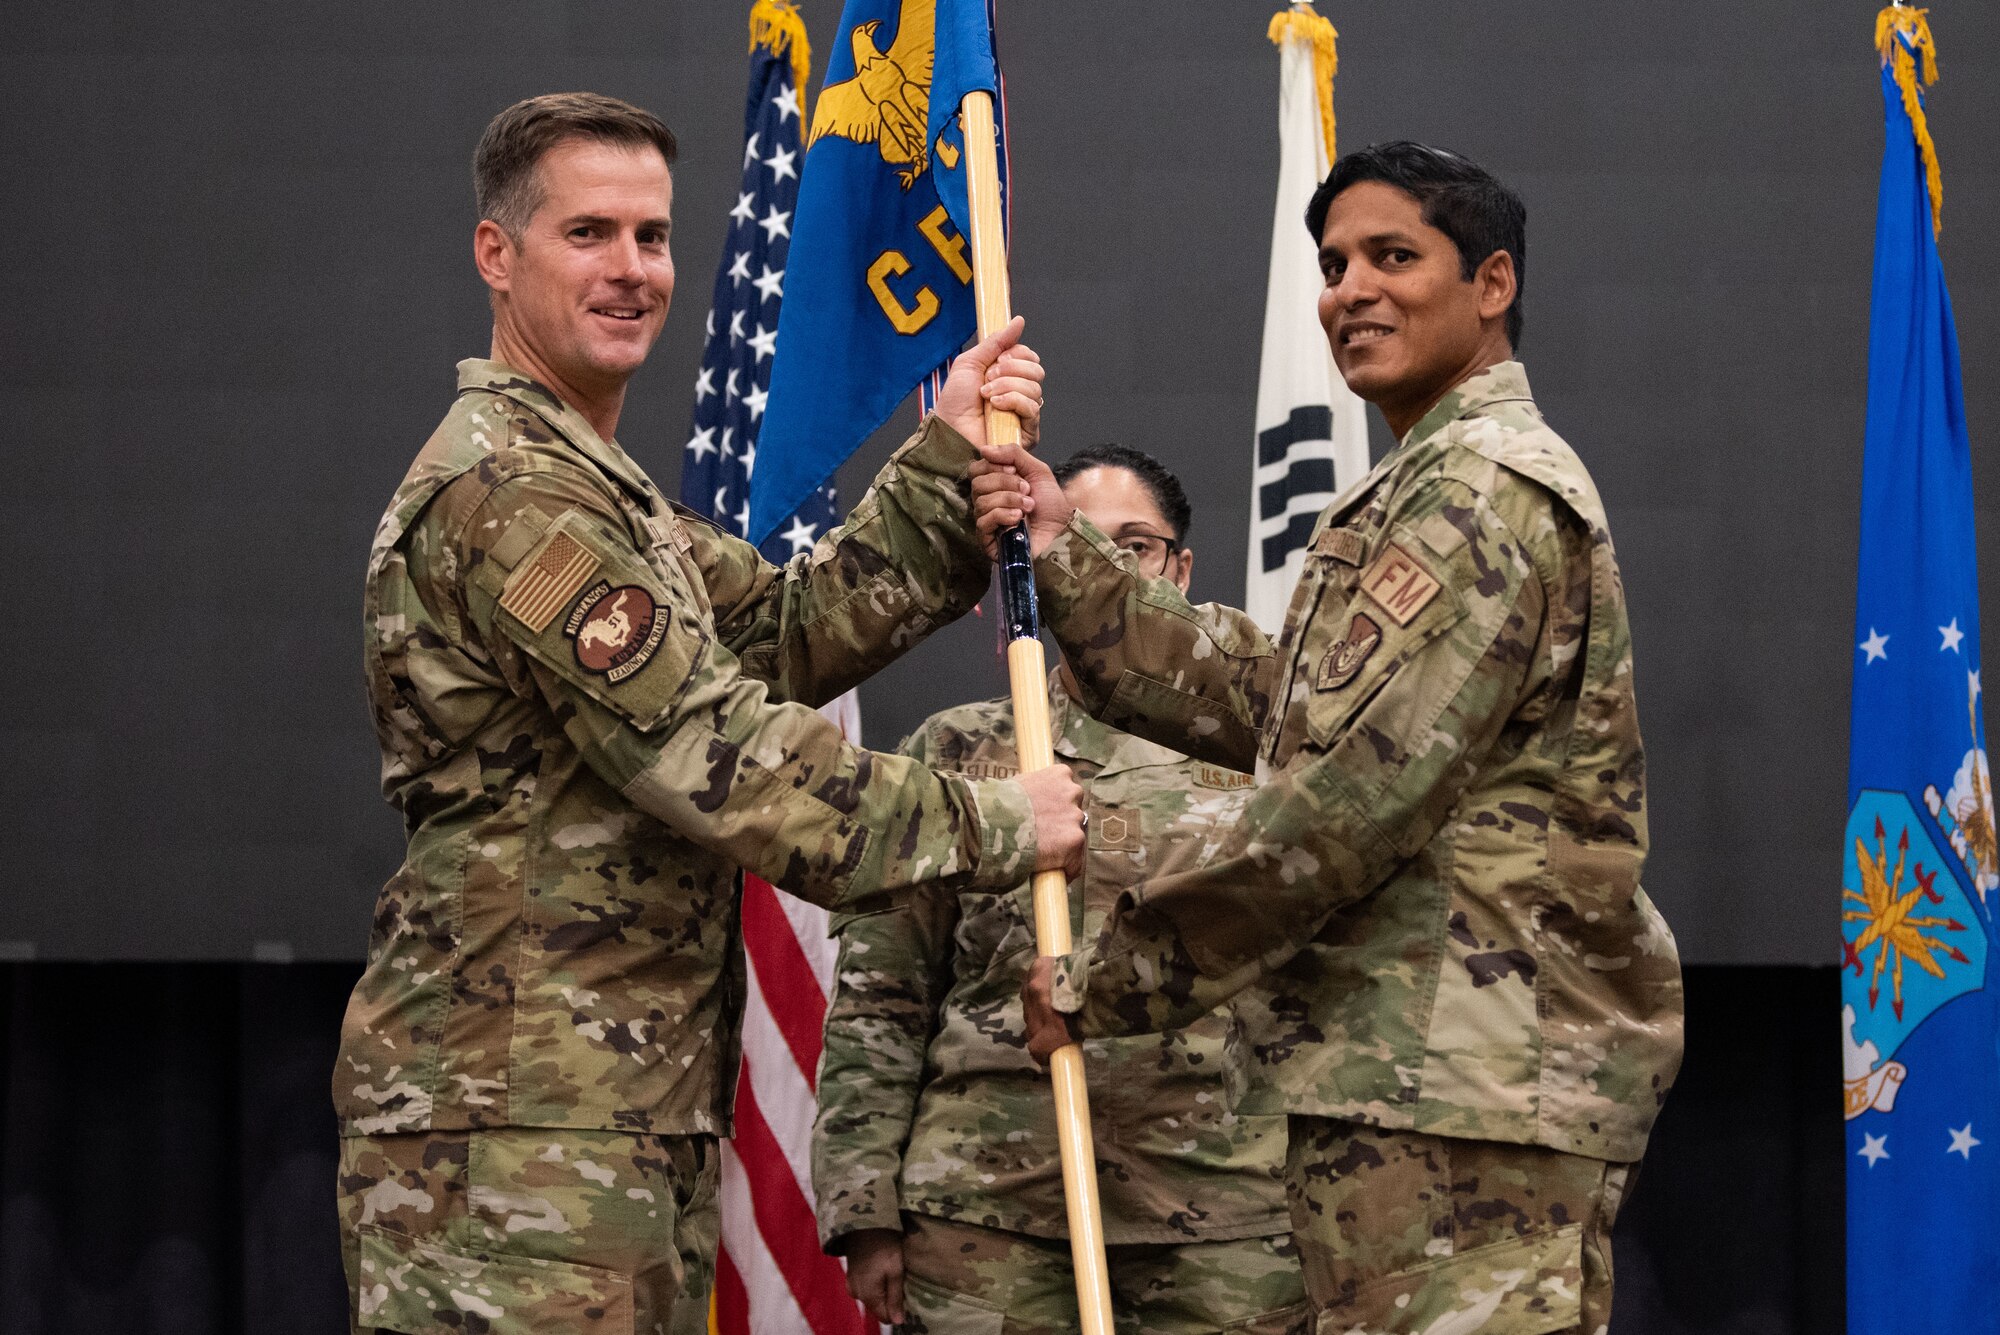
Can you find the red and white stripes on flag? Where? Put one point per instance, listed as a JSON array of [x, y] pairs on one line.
[[771, 1278]]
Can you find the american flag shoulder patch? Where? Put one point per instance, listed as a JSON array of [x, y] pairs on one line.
[[540, 588]]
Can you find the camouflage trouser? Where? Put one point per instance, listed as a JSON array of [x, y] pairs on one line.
[[519, 1230], [961, 1279], [1405, 1233]]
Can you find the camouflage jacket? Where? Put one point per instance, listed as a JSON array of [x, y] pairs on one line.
[[593, 711], [928, 1100], [1441, 859]]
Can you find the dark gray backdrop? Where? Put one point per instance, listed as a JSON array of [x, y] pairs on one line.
[[238, 275]]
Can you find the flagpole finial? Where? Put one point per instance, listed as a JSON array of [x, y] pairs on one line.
[[1903, 40], [778, 27], [1306, 24]]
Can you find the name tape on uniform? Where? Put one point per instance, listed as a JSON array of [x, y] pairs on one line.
[[1342, 544], [987, 769]]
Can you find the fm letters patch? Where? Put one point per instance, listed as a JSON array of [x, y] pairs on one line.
[[615, 630], [1399, 582], [1349, 652]]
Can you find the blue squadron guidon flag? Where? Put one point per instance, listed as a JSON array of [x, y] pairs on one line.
[[735, 378], [882, 278]]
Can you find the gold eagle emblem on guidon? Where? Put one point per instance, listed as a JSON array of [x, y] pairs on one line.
[[888, 101]]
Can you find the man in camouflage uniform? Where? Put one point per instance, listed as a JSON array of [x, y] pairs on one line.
[[1473, 1010], [934, 1153], [593, 710]]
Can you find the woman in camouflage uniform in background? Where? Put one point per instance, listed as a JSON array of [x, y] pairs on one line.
[[934, 1155]]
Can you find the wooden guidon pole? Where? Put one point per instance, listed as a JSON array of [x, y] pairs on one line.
[[1028, 676]]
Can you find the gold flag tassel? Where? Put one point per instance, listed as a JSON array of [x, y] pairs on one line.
[[1902, 33], [777, 26], [1305, 23]]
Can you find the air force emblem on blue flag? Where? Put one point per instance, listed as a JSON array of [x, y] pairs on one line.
[[879, 288], [1913, 940], [1921, 1013]]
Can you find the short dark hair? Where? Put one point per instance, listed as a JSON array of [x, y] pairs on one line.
[[1160, 483], [1459, 197], [504, 180]]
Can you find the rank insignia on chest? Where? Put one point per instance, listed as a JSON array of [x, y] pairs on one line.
[[1113, 831], [1349, 652], [1400, 584], [615, 631], [538, 590]]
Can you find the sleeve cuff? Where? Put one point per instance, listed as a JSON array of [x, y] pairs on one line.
[[936, 448], [884, 1212], [1070, 568], [1007, 842], [1071, 981], [1091, 983]]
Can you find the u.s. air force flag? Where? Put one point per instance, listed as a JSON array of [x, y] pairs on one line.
[[879, 288], [1921, 1013]]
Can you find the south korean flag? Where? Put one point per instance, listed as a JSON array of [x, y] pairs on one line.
[[1312, 433]]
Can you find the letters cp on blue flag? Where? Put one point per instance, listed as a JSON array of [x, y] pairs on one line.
[[878, 292], [1920, 885]]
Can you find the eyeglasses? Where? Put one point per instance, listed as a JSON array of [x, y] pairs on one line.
[[1149, 550]]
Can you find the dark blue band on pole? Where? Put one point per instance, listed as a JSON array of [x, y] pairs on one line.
[[1017, 585]]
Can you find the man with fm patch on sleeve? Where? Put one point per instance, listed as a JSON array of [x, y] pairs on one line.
[[1474, 1010], [593, 711]]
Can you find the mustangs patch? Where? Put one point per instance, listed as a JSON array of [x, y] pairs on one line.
[[615, 630]]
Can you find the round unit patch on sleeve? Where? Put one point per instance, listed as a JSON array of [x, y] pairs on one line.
[[615, 630]]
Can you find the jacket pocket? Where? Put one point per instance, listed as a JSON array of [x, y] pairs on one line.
[[1523, 1286], [420, 1288], [935, 1309], [1370, 649]]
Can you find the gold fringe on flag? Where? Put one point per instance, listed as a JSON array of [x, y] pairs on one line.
[[1892, 27], [1303, 22], [777, 26]]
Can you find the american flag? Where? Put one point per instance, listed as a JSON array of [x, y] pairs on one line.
[[735, 377], [771, 1276]]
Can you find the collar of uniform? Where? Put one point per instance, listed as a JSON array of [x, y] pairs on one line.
[[477, 373], [1078, 736], [1496, 384]]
